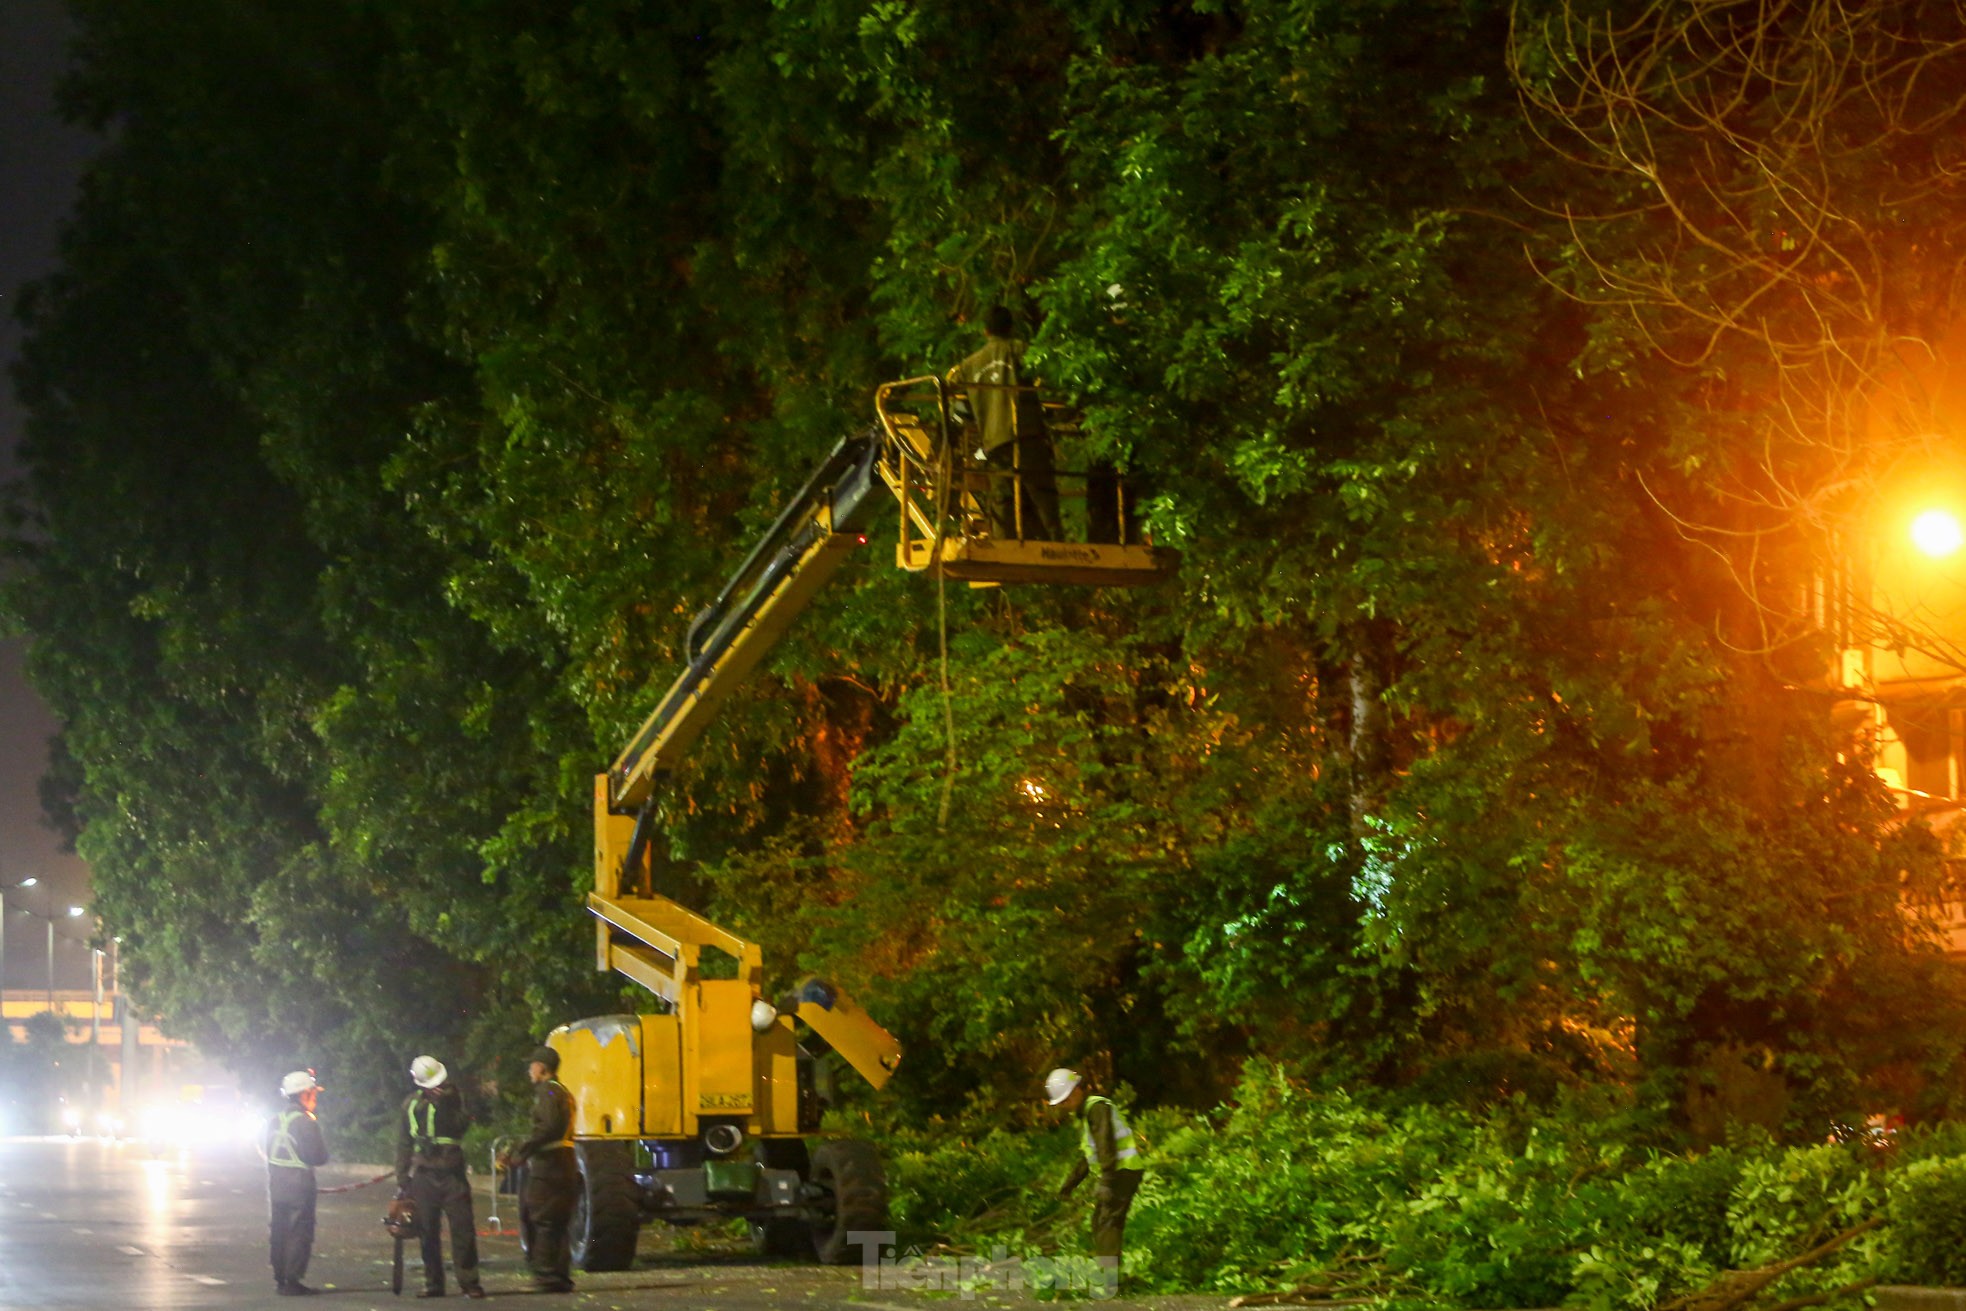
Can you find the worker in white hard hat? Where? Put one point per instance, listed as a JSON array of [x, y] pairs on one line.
[[293, 1146], [1110, 1150], [430, 1174]]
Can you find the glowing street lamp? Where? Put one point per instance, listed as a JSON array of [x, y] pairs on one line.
[[1938, 533]]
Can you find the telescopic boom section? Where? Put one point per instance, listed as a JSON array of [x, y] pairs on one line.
[[810, 539]]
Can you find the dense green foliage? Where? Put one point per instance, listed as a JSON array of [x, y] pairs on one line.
[[416, 369], [1514, 1207]]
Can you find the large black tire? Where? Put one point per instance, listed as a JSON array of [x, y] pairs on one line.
[[852, 1198], [787, 1238], [607, 1215]]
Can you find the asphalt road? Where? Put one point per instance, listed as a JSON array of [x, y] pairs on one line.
[[99, 1225]]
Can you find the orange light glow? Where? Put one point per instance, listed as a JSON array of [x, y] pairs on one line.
[[1937, 533]]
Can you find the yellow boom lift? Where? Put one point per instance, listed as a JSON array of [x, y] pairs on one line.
[[702, 1111]]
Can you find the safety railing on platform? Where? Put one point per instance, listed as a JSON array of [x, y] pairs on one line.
[[951, 484]]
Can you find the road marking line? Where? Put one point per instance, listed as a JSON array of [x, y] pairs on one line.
[[208, 1281], [130, 1251]]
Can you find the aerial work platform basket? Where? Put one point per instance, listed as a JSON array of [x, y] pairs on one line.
[[982, 520]]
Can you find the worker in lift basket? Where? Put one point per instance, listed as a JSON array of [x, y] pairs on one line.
[[1007, 428], [1110, 1149], [552, 1176], [293, 1146], [430, 1174]]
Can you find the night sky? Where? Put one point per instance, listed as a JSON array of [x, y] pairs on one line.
[[40, 160]]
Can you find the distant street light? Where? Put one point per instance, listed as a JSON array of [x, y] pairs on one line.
[[73, 911], [95, 1035], [1938, 533], [5, 888]]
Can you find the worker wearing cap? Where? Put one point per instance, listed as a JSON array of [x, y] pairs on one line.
[[293, 1146], [1109, 1148], [430, 1172], [552, 1176]]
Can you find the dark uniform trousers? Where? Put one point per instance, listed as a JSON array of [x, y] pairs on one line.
[[290, 1206], [1111, 1200], [1023, 476], [440, 1196], [552, 1184]]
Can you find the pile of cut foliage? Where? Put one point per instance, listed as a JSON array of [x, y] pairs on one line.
[[1293, 1194]]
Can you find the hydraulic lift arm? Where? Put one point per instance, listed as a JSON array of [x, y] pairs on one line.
[[910, 455], [645, 935], [756, 607]]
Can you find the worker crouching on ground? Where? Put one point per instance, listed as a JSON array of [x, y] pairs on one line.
[[552, 1177], [430, 1173], [292, 1148], [1112, 1152]]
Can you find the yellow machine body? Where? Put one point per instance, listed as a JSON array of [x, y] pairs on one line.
[[636, 1076]]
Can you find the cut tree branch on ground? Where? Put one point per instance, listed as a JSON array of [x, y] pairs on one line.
[[1828, 1295], [1350, 1278], [1736, 1288]]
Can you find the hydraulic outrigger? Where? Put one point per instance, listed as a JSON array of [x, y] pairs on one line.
[[699, 1112]]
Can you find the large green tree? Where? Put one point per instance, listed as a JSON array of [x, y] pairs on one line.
[[432, 361]]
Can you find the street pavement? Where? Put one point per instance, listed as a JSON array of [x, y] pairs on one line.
[[106, 1226]]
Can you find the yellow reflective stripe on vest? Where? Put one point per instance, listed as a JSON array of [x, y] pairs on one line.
[[1125, 1154], [429, 1134], [282, 1149]]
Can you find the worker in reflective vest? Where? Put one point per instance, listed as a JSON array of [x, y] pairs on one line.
[[1111, 1151], [430, 1172], [293, 1146], [552, 1175]]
